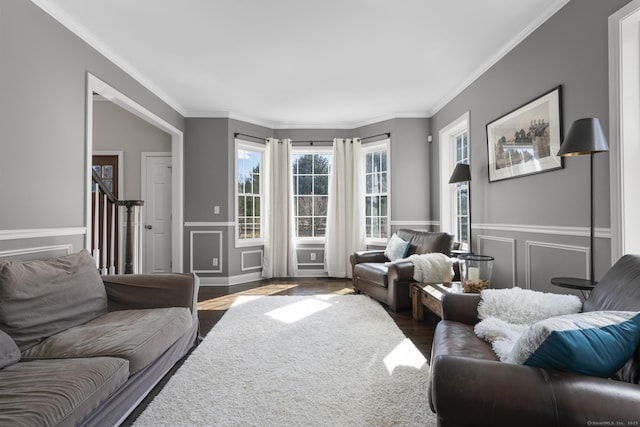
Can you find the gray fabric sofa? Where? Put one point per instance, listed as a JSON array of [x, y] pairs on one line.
[[80, 349]]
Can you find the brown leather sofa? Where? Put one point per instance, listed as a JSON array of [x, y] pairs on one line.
[[389, 283], [470, 387]]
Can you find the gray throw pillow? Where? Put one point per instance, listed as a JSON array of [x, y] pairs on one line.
[[38, 299], [9, 351]]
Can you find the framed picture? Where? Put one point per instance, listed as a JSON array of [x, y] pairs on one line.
[[526, 140]]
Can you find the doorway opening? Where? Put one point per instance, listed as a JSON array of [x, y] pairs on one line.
[[97, 86]]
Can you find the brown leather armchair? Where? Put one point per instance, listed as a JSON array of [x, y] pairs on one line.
[[374, 275], [466, 373]]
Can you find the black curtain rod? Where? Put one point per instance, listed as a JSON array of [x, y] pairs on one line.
[[387, 134], [237, 134]]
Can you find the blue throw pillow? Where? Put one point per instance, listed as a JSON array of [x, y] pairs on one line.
[[396, 248], [596, 343]]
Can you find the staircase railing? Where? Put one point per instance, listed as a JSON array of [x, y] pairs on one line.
[[105, 229]]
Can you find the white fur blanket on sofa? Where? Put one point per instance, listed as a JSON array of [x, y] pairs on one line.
[[507, 313], [432, 268]]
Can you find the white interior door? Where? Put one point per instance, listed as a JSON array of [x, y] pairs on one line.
[[156, 193]]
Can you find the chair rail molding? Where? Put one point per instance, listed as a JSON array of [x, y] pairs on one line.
[[35, 233], [66, 248], [209, 224], [600, 232]]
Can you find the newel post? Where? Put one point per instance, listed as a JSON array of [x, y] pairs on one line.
[[132, 241]]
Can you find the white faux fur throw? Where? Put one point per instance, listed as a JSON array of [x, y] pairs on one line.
[[506, 313], [432, 268]]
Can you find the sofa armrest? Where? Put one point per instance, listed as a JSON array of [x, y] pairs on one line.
[[400, 271], [504, 394], [140, 291], [461, 307], [368, 256]]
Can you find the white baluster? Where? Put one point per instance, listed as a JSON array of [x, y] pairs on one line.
[[112, 268], [96, 246], [104, 236]]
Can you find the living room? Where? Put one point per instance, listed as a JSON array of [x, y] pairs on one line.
[[535, 226], [531, 238]]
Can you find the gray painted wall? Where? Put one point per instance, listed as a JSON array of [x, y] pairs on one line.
[[42, 136], [570, 49], [43, 75], [114, 128], [210, 157]]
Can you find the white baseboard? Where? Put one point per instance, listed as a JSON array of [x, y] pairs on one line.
[[232, 280]]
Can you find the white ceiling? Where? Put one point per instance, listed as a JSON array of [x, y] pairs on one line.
[[304, 63]]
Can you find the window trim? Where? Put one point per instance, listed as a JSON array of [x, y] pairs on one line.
[[310, 150], [446, 144], [256, 147], [368, 148], [455, 188]]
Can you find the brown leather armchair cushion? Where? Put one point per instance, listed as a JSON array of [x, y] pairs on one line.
[[374, 274]]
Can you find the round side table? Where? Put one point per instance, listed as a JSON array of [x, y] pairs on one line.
[[583, 285]]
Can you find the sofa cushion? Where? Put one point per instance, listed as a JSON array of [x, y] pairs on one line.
[[9, 351], [596, 343], [140, 336], [396, 248], [58, 392], [41, 298]]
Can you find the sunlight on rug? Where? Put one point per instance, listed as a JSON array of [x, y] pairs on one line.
[[323, 360]]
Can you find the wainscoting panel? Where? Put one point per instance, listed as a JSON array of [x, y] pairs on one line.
[[251, 260], [204, 247], [503, 249], [544, 261]]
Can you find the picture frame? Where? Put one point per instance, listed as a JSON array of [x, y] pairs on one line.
[[526, 140]]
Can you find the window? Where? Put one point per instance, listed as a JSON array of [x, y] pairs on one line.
[[376, 190], [460, 190], [310, 169], [453, 140], [249, 162]]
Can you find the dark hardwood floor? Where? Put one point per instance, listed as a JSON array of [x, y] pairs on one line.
[[213, 302]]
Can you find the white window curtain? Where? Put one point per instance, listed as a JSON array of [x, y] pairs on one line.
[[345, 216], [280, 258]]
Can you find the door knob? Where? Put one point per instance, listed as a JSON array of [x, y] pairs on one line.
[[148, 227]]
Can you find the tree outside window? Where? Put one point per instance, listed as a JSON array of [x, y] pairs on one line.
[[249, 205], [310, 191], [376, 193]]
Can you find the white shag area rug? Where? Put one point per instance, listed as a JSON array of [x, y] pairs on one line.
[[318, 360]]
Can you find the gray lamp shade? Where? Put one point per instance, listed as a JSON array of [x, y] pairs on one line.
[[585, 136], [461, 173]]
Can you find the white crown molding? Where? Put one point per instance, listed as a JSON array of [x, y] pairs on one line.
[[283, 125], [85, 35], [515, 41], [96, 44], [35, 233]]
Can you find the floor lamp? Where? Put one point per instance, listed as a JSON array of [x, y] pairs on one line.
[[585, 136], [462, 173]]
